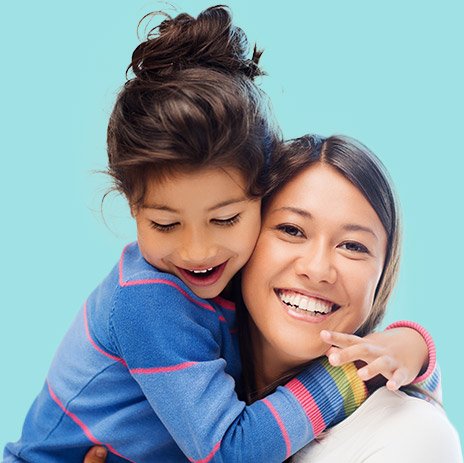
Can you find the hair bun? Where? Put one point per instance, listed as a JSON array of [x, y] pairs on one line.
[[183, 42]]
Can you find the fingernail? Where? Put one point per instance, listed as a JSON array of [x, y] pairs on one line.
[[100, 452], [334, 359]]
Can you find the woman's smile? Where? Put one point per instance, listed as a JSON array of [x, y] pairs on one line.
[[316, 266], [306, 307]]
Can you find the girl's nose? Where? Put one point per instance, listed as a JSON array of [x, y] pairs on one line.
[[197, 249]]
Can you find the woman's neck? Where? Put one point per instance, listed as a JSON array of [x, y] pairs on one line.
[[269, 368]]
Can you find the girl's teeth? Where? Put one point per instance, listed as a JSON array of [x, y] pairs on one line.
[[203, 271]]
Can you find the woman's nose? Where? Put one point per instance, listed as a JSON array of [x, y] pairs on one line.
[[317, 264]]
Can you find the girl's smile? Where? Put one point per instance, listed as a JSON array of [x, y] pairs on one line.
[[200, 226]]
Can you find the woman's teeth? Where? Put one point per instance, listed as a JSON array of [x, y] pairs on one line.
[[308, 304]]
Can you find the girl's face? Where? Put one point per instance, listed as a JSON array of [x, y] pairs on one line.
[[316, 266], [200, 226]]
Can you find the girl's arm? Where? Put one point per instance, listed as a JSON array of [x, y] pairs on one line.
[[180, 355]]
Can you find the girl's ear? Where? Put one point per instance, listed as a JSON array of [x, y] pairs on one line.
[[133, 210]]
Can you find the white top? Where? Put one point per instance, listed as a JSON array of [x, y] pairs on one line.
[[388, 427]]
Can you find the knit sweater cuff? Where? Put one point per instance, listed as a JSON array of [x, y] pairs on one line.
[[431, 379], [432, 352], [328, 393]]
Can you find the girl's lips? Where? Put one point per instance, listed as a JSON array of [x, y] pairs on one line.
[[203, 279]]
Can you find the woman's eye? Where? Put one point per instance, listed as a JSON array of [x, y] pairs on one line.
[[290, 230], [353, 246], [163, 227], [227, 222]]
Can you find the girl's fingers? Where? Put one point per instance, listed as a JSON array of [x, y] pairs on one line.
[[340, 339], [96, 455], [384, 365], [364, 351], [399, 378], [332, 350]]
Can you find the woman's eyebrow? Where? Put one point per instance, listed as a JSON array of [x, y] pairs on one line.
[[357, 227], [307, 215], [296, 210]]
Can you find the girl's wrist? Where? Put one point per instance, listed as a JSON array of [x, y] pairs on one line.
[[432, 352]]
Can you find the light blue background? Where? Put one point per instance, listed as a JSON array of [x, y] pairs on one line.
[[388, 73]]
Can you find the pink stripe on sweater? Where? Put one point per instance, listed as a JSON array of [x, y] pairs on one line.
[[149, 371], [283, 430], [84, 428], [224, 303], [94, 344], [309, 405], [208, 458]]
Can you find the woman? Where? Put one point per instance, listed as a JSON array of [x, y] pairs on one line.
[[326, 260]]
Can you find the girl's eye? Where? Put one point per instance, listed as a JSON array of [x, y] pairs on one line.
[[227, 222], [354, 246], [163, 228], [290, 230]]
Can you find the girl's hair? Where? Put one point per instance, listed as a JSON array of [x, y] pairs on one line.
[[192, 103], [366, 172]]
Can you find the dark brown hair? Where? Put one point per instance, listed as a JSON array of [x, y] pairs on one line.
[[192, 103], [366, 172]]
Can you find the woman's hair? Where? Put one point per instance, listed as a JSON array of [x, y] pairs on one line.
[[365, 171], [192, 103]]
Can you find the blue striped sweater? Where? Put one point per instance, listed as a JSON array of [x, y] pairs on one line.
[[148, 369]]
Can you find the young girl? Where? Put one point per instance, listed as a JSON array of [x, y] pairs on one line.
[[150, 364]]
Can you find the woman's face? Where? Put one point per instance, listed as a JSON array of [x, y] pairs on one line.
[[316, 266]]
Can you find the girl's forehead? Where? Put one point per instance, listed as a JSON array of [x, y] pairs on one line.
[[207, 188]]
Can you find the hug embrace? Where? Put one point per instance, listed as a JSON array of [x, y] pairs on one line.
[[240, 326]]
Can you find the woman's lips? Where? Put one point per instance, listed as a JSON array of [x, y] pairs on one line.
[[305, 307], [202, 277]]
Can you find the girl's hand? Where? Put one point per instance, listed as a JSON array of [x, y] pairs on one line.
[[95, 455], [398, 354]]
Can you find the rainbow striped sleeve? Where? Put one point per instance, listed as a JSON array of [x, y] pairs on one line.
[[430, 381], [336, 394], [317, 398]]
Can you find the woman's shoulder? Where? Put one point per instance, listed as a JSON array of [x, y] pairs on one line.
[[389, 426]]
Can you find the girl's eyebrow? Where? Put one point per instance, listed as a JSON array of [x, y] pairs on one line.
[[227, 202], [163, 207], [307, 215]]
